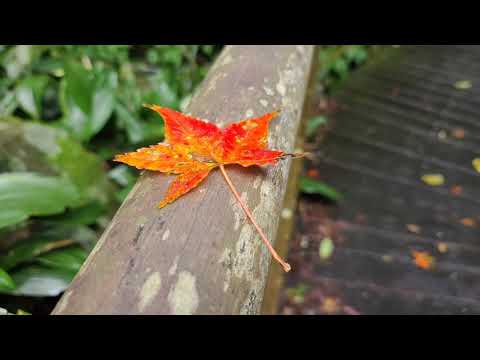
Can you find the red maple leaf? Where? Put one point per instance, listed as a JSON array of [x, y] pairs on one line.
[[194, 147]]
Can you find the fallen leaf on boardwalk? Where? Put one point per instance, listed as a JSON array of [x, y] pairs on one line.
[[22, 312], [463, 85], [414, 228], [423, 260], [313, 173], [330, 306], [476, 164], [326, 248], [469, 222], [442, 247], [433, 179], [456, 190], [458, 133]]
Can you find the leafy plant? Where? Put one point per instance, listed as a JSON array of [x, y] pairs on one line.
[[312, 186], [313, 125], [337, 61], [65, 111]]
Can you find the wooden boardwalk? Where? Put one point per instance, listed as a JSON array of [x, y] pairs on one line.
[[400, 117]]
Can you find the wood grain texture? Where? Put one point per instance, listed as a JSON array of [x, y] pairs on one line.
[[200, 255], [286, 225]]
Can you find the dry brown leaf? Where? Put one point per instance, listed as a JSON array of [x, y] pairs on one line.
[[469, 222], [414, 228], [330, 306], [456, 190], [458, 133], [442, 247]]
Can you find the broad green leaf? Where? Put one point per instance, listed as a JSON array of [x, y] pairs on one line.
[[70, 258], [341, 67], [8, 103], [122, 175], [26, 251], [134, 128], [37, 280], [356, 53], [46, 239], [313, 125], [85, 215], [29, 94], [311, 186], [325, 250], [6, 282], [87, 100], [155, 132], [17, 59], [28, 146], [207, 49], [162, 92], [28, 194]]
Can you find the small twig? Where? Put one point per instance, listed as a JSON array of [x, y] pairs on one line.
[[285, 265], [55, 245], [296, 155]]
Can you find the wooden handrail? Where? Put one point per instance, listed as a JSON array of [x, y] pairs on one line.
[[199, 255]]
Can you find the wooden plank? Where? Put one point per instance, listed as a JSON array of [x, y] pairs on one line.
[[287, 219], [393, 125], [199, 255]]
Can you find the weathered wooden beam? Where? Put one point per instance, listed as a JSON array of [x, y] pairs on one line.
[[200, 255], [286, 225]]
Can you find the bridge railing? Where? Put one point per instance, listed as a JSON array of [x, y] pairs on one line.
[[200, 255]]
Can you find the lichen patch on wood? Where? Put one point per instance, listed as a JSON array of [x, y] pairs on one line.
[[166, 235], [183, 297], [149, 290]]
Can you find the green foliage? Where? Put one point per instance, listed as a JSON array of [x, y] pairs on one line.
[[326, 248], [65, 110], [6, 282], [27, 194], [311, 186], [337, 61], [313, 125], [71, 258], [38, 280], [86, 99]]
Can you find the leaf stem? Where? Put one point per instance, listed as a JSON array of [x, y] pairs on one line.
[[285, 265], [295, 155]]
